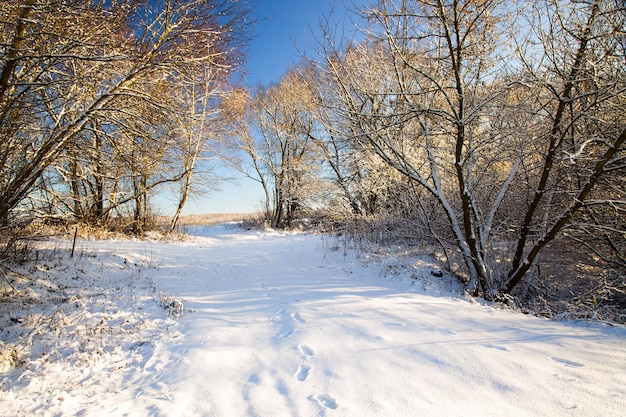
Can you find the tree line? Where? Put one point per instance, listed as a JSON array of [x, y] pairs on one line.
[[103, 101], [491, 130]]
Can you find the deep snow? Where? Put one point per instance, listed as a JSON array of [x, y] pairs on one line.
[[287, 324]]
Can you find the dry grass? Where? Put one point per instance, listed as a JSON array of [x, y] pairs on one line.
[[15, 242], [210, 219]]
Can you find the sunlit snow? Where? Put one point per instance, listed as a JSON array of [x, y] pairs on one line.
[[292, 324]]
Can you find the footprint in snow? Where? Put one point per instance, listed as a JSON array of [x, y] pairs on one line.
[[302, 372], [145, 350], [297, 317], [567, 362], [277, 315], [429, 327], [286, 334], [491, 346], [324, 400], [306, 351], [143, 347], [391, 324]]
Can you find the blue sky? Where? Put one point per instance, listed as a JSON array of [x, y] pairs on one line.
[[285, 29]]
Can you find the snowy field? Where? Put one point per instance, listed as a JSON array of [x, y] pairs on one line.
[[248, 323]]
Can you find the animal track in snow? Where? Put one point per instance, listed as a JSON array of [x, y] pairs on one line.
[[297, 317], [302, 372], [324, 400], [306, 351]]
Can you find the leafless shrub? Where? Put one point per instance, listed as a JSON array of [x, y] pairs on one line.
[[173, 306]]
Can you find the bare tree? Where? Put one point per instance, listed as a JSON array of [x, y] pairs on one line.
[[583, 85], [509, 147], [200, 110], [89, 79], [240, 122], [277, 140], [41, 109]]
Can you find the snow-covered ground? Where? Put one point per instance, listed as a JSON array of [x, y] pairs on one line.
[[248, 323]]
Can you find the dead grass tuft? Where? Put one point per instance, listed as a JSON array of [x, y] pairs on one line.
[[211, 219]]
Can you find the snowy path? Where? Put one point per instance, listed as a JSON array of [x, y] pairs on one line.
[[283, 326]]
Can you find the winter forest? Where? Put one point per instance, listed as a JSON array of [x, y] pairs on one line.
[[468, 149], [490, 131]]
